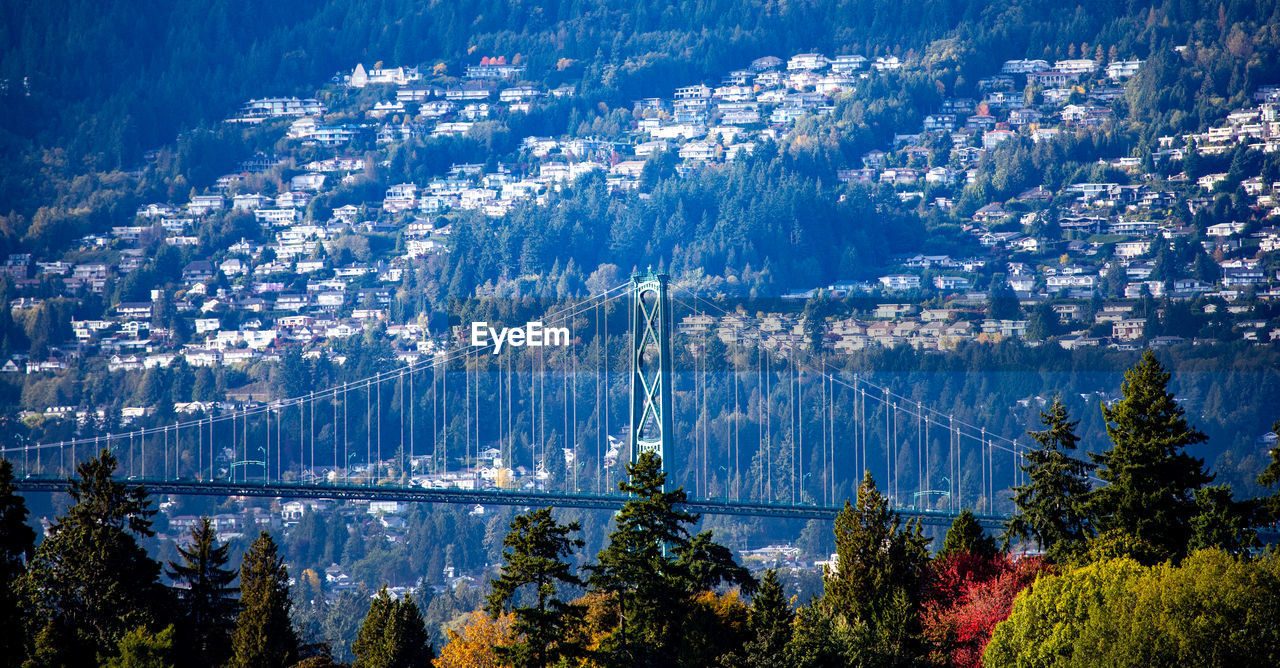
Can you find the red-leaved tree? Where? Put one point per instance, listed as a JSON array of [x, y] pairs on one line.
[[967, 597]]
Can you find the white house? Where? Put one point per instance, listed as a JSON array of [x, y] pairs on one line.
[[1224, 229], [202, 204], [308, 181], [900, 281], [1123, 68], [807, 61], [248, 202], [952, 283], [400, 197], [276, 217]]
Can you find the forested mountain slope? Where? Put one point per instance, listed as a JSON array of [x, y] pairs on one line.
[[108, 80]]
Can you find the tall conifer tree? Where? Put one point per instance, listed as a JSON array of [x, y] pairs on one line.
[[90, 582], [393, 635], [17, 541], [966, 536], [206, 596], [770, 626], [877, 581], [652, 567], [1050, 506], [537, 546], [1148, 500], [264, 636]]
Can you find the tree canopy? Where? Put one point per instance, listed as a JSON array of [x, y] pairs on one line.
[[392, 635], [207, 599], [91, 582], [1120, 613]]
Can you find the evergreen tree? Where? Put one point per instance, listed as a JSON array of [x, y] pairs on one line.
[[877, 580], [1224, 523], [90, 582], [635, 568], [264, 636], [1002, 301], [1043, 322], [1150, 480], [206, 598], [769, 625], [966, 536], [815, 313], [1049, 506], [16, 545], [704, 564], [651, 567], [17, 539], [537, 546], [393, 635]]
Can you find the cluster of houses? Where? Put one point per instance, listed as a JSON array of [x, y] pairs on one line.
[[703, 124], [247, 303], [958, 320], [1032, 97], [1097, 228]]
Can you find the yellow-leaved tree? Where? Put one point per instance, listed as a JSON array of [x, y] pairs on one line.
[[474, 646]]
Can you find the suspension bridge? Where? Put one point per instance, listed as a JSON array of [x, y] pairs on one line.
[[748, 424]]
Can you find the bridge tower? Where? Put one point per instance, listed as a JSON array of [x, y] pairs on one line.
[[652, 418]]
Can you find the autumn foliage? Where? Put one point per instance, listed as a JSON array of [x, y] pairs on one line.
[[967, 597], [476, 645]]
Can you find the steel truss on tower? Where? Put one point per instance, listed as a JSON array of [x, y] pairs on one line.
[[652, 428]]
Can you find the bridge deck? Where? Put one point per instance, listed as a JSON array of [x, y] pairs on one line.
[[485, 497]]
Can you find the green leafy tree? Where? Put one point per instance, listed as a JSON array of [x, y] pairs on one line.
[[90, 582], [818, 640], [142, 649], [17, 541], [1150, 481], [877, 581], [1211, 610], [393, 635], [536, 548], [1049, 506], [966, 536], [264, 635], [652, 567], [206, 596]]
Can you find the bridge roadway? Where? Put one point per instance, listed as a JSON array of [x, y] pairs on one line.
[[483, 497]]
